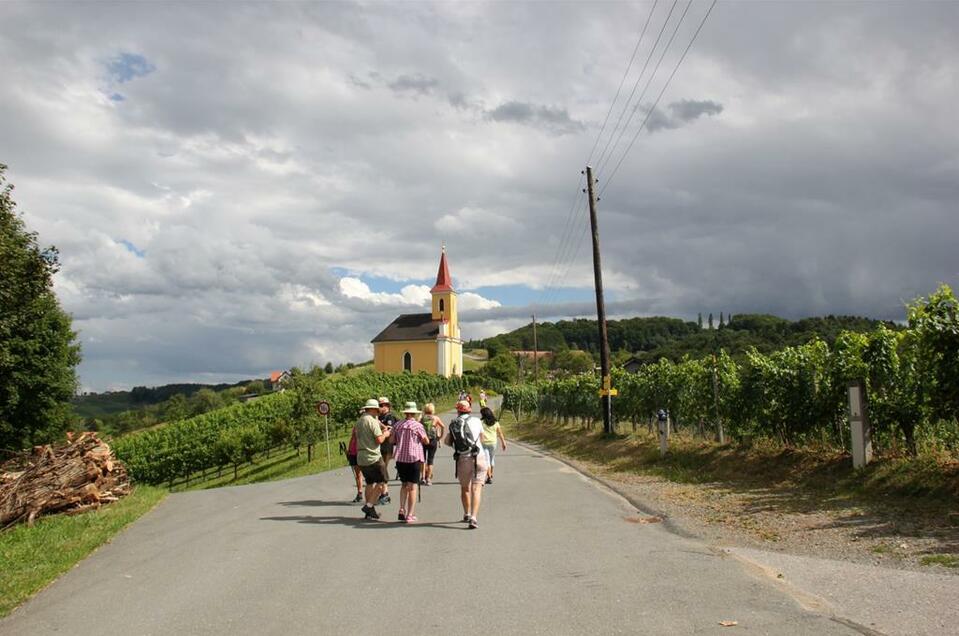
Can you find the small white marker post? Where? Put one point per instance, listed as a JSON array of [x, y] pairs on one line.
[[859, 425], [663, 435]]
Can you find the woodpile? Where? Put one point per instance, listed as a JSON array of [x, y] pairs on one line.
[[79, 476]]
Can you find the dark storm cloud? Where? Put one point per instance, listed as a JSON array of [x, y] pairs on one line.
[[811, 167], [419, 84], [551, 118]]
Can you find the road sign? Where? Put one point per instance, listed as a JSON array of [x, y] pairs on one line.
[[323, 407]]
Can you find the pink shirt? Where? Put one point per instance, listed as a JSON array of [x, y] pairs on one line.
[[408, 437]]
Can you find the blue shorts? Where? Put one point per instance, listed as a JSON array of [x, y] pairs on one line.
[[490, 454]]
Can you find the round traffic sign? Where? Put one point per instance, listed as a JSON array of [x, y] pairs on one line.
[[323, 408]]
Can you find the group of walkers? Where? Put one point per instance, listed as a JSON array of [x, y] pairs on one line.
[[380, 437]]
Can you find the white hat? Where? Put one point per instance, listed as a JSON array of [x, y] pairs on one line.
[[411, 408], [370, 404], [383, 400]]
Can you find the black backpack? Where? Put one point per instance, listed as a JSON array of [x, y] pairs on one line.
[[463, 441]]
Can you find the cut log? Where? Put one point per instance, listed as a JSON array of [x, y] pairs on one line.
[[76, 477]]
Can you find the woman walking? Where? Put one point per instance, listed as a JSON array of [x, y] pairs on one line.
[[409, 437], [491, 431], [434, 430]]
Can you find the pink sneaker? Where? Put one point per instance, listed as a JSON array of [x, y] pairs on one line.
[[411, 519]]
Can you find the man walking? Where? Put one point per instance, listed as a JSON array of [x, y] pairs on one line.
[[464, 434], [369, 435], [386, 448]]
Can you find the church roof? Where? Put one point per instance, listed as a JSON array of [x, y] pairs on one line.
[[444, 282], [410, 327]]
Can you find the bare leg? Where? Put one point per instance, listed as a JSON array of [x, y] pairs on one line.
[[475, 500], [465, 499], [411, 497], [358, 475], [386, 487]]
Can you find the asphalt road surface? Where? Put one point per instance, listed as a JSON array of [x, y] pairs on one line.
[[555, 553]]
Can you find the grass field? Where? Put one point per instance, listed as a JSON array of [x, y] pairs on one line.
[[32, 557]]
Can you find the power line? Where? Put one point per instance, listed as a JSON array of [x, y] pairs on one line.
[[659, 97], [566, 236], [649, 82], [638, 80]]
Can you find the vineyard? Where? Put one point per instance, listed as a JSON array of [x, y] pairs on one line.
[[236, 434], [797, 395]]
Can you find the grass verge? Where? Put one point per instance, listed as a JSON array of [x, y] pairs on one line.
[[32, 557], [811, 479]]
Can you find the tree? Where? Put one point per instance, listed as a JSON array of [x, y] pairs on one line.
[[699, 320], [204, 401], [502, 367], [573, 362], [722, 320], [38, 348], [256, 387], [710, 320], [328, 368]]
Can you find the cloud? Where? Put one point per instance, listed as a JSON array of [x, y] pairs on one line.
[[417, 83], [681, 113], [556, 120], [249, 152]]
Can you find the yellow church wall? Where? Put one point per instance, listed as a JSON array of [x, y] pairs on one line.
[[388, 356]]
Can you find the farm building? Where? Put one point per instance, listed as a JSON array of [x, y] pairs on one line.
[[424, 342]]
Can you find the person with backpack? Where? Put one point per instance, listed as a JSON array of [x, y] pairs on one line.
[[434, 431], [351, 460], [491, 431], [369, 435], [386, 448], [409, 437], [464, 434]]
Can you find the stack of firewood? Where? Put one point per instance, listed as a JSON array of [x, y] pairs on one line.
[[73, 478]]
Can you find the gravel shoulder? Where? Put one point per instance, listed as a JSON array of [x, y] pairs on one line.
[[786, 520]]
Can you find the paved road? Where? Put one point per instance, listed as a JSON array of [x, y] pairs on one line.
[[555, 553]]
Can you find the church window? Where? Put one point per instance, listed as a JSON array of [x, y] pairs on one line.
[[407, 362], [442, 308]]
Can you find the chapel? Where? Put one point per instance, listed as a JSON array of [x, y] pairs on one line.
[[424, 342]]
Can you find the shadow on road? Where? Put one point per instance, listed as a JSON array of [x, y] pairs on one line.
[[359, 522], [319, 502]]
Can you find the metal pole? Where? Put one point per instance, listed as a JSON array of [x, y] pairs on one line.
[[605, 398], [535, 353], [329, 460]]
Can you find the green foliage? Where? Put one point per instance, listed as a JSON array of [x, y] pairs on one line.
[[572, 362], [798, 394], [38, 349], [502, 367], [163, 454]]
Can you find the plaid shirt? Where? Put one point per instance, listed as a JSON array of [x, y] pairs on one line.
[[408, 437]]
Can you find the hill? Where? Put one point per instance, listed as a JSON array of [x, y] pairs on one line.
[[661, 337]]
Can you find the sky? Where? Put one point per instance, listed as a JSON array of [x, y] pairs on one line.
[[236, 188]]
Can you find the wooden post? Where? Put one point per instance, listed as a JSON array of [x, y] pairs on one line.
[[606, 398], [535, 353]]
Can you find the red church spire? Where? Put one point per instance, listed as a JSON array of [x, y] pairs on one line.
[[444, 282]]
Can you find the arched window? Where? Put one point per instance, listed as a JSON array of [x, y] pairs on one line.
[[407, 362], [441, 305]]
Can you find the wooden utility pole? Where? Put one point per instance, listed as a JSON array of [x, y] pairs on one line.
[[535, 353], [606, 392]]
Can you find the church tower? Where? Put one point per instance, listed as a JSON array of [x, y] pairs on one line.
[[449, 346]]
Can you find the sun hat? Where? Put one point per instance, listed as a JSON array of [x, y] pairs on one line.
[[411, 408], [383, 400], [463, 406], [370, 404]]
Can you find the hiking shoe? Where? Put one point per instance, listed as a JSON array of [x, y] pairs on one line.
[[383, 500], [423, 482], [467, 518], [401, 516], [370, 512], [473, 525], [489, 480], [358, 498]]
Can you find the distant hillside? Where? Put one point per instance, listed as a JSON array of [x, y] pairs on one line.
[[672, 338], [99, 405]]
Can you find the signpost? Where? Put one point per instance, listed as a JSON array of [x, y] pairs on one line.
[[323, 408]]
